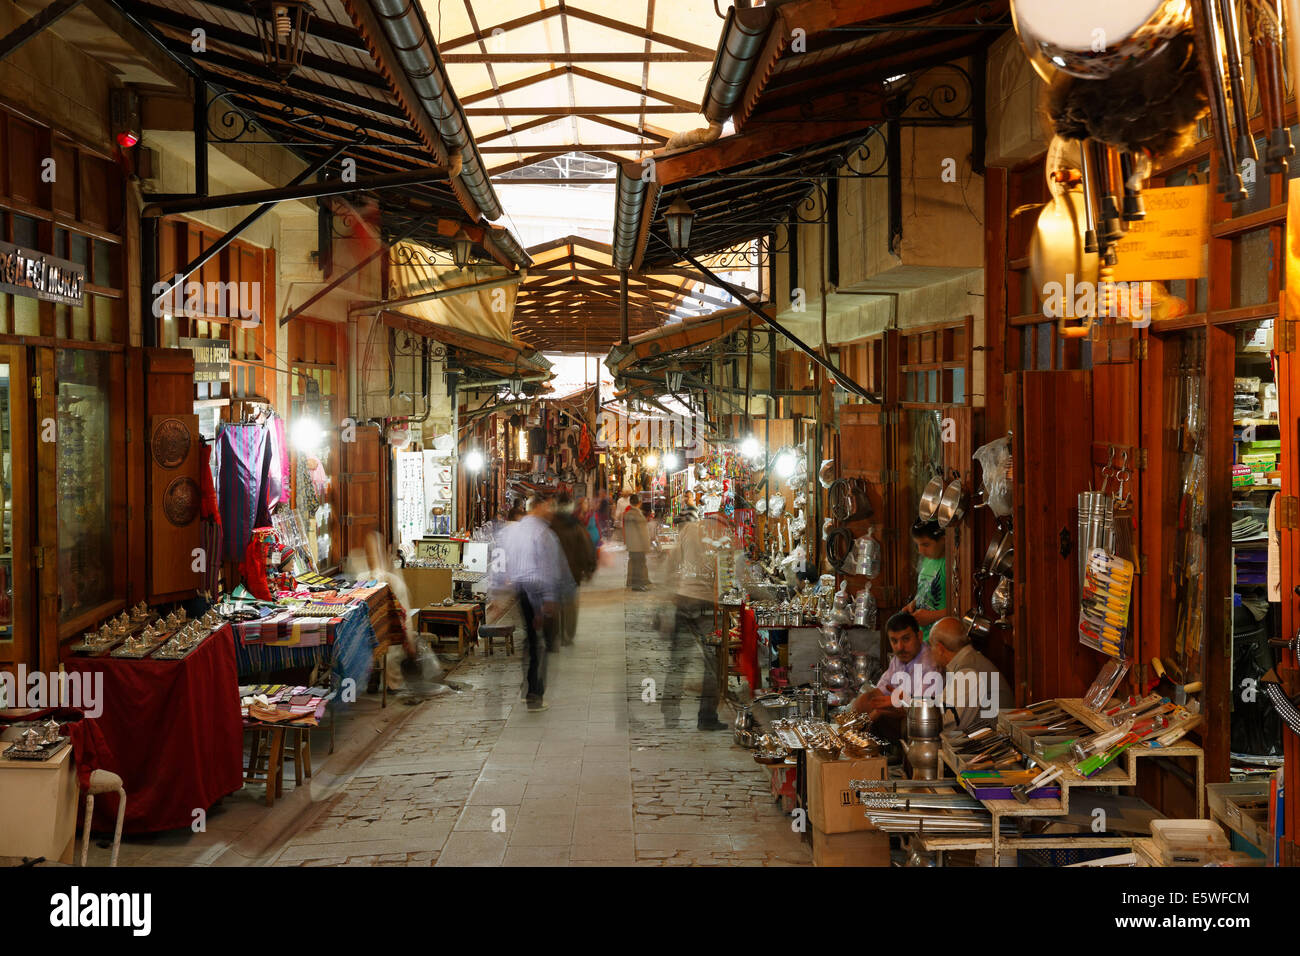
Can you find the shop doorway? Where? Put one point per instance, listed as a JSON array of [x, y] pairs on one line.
[[16, 584]]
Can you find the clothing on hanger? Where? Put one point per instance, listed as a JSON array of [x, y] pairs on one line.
[[244, 468]]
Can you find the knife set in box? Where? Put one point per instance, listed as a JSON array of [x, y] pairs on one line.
[[1104, 603]]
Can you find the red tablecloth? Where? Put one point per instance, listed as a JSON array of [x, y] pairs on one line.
[[175, 733]]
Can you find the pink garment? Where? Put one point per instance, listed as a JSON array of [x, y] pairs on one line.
[[278, 475], [318, 479]]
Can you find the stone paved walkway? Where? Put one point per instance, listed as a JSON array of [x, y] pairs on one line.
[[604, 777]]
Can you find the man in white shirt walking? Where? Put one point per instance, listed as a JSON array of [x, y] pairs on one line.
[[535, 567]]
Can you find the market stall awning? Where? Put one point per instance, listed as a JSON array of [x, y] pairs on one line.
[[369, 80], [802, 84], [675, 338], [483, 360]]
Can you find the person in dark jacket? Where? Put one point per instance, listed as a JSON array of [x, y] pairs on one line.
[[576, 544]]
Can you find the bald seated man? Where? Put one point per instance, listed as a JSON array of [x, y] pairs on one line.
[[974, 689]]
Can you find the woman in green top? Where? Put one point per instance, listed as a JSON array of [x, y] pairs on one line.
[[931, 601]]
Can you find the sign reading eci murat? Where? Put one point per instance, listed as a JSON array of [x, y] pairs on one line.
[[39, 276]]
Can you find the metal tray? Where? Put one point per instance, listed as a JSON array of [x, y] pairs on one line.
[[122, 653], [45, 752], [83, 649], [162, 653]]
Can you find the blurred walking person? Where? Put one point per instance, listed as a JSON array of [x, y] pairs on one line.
[[690, 579], [636, 536], [537, 570], [581, 557]]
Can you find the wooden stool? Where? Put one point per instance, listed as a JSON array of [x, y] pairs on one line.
[[103, 781], [487, 632], [266, 759], [299, 751]]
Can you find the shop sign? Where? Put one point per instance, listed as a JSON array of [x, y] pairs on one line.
[[1171, 242], [38, 276], [211, 359]]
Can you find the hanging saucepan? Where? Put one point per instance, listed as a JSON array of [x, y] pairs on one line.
[[1005, 563], [978, 627], [826, 473], [952, 504], [998, 557], [929, 505]]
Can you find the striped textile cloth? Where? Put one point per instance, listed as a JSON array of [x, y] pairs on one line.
[[350, 654], [244, 461]]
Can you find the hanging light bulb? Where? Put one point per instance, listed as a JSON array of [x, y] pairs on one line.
[[784, 464], [460, 249], [750, 447], [679, 218], [474, 461], [282, 28], [671, 461]]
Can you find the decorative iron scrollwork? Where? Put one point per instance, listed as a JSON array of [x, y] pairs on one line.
[[410, 254], [947, 101], [237, 117], [868, 158]]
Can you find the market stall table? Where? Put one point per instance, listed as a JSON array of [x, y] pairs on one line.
[[465, 618], [344, 643], [174, 730]]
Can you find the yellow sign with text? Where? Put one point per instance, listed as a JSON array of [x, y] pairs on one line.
[[1171, 242]]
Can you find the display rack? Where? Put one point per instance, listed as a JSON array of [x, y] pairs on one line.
[[1122, 773]]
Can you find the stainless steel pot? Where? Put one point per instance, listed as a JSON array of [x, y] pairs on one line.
[[924, 719], [929, 505], [978, 627], [952, 504]]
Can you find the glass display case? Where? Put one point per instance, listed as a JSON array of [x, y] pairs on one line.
[[84, 475]]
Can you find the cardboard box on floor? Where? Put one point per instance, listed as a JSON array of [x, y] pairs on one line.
[[864, 848], [832, 805], [428, 585]]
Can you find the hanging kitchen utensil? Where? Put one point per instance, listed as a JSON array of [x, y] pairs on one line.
[[826, 473], [999, 558], [1110, 225], [1121, 538], [1210, 57], [952, 504], [1237, 80], [1264, 20], [1135, 208], [978, 627], [929, 505], [1087, 170]]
